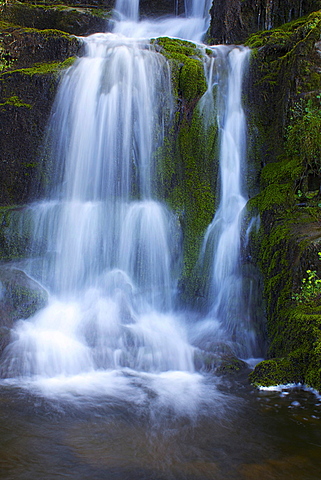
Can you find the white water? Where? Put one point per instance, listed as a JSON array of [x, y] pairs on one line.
[[193, 26], [226, 298], [112, 251]]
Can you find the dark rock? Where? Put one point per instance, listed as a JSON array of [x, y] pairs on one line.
[[73, 20], [26, 98], [20, 298], [234, 20], [157, 8], [26, 46]]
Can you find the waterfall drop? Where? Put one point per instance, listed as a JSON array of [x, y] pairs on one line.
[[193, 26], [108, 251], [226, 299]]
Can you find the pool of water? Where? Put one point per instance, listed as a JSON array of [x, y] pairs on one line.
[[234, 432]]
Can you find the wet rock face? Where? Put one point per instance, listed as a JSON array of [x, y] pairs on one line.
[[164, 7], [20, 298], [73, 20], [27, 90], [51, 12], [26, 98], [28, 46], [234, 20]]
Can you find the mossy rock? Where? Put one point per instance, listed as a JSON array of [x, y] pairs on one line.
[[284, 147], [276, 371], [26, 98], [218, 358], [20, 298], [71, 19], [230, 365], [185, 59], [187, 180], [24, 47], [147, 7], [16, 229]]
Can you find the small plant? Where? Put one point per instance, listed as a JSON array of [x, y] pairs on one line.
[[303, 134], [310, 289], [6, 61]]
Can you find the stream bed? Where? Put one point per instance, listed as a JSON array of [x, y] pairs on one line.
[[239, 433]]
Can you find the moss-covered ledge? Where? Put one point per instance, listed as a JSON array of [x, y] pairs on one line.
[[299, 342], [285, 93], [187, 165], [23, 47], [287, 247], [73, 19]]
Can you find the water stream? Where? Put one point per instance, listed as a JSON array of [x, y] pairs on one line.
[[103, 383], [111, 252]]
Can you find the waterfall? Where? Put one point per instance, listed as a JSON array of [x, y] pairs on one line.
[[110, 257], [108, 251], [128, 9], [222, 243], [193, 26], [197, 9]]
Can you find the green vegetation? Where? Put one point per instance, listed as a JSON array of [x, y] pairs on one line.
[[186, 66], [287, 87], [303, 136], [187, 167], [187, 181], [67, 18], [16, 102], [43, 68], [310, 290]]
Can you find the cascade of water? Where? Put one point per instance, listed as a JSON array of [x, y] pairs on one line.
[[197, 8], [191, 27], [108, 252], [110, 260], [223, 237], [111, 123], [129, 9]]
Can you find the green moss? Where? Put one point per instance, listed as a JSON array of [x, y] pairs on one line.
[[297, 341], [43, 68], [6, 25], [187, 181], [47, 32], [286, 120], [71, 17], [101, 13], [230, 365], [282, 172], [16, 227], [274, 196], [187, 68], [294, 330], [278, 371], [197, 151], [286, 36], [16, 102], [303, 138]]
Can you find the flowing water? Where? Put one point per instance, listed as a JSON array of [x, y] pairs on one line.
[[227, 302], [103, 382]]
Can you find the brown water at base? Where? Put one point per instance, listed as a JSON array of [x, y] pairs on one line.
[[256, 436]]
